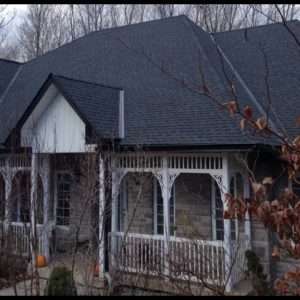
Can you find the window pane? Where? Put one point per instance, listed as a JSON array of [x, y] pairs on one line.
[[220, 235], [160, 219], [63, 199], [160, 229]]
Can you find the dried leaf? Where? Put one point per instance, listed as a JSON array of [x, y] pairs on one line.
[[228, 215], [281, 286], [257, 187], [243, 123], [276, 252], [261, 123], [232, 106], [296, 141], [206, 89], [289, 247], [290, 276], [296, 291], [248, 111], [268, 180]]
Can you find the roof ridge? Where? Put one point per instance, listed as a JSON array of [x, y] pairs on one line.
[[11, 61], [101, 31], [141, 23], [66, 44], [85, 81], [254, 27]]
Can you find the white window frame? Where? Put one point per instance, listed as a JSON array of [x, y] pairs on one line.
[[213, 211], [213, 206], [123, 206], [155, 187], [63, 227], [235, 195]]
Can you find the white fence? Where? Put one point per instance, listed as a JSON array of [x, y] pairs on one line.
[[18, 237], [194, 260]]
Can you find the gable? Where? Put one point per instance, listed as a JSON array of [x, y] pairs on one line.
[[54, 126]]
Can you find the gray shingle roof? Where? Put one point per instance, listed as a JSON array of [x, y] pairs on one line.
[[158, 110], [8, 69], [98, 104], [283, 59]]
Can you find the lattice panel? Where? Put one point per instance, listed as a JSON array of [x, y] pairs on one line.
[[143, 162], [19, 162], [196, 162]]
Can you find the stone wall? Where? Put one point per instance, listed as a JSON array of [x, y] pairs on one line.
[[140, 202], [193, 206]]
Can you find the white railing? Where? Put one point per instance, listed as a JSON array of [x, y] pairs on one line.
[[19, 237], [239, 261], [195, 260]]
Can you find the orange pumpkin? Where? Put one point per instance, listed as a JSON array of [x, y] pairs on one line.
[[96, 270], [41, 261]]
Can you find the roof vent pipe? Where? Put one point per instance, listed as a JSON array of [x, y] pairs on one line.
[[121, 115]]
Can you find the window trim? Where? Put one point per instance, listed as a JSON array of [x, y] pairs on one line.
[[213, 207]]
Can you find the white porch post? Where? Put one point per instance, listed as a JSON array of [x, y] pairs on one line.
[[46, 208], [33, 197], [247, 216], [166, 209], [114, 213], [101, 217], [227, 225], [8, 200]]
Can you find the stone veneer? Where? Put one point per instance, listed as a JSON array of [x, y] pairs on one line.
[[192, 205]]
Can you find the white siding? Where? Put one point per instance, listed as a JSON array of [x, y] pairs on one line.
[[58, 129]]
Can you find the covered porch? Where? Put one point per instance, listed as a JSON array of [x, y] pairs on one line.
[[167, 217]]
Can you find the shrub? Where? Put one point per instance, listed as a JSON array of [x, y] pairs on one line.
[[256, 274], [61, 283]]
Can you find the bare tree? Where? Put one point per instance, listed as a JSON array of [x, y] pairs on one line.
[[43, 28], [92, 17], [6, 18]]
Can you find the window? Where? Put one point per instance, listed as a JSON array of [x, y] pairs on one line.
[[159, 209], [123, 206], [233, 192], [218, 212], [63, 199]]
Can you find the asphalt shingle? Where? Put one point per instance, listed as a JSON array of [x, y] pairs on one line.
[[159, 110]]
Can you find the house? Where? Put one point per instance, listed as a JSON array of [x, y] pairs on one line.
[[124, 95]]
